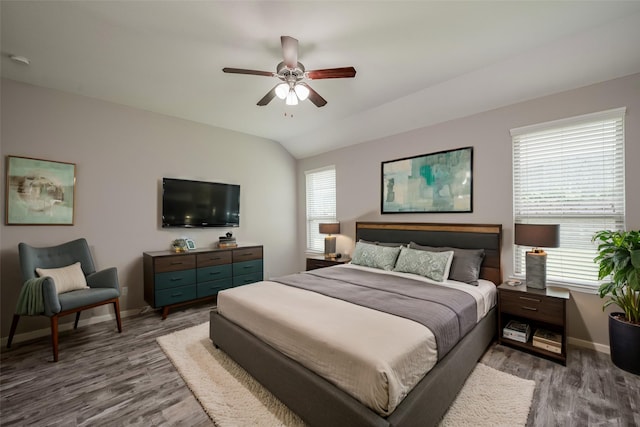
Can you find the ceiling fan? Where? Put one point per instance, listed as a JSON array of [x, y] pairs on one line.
[[292, 74]]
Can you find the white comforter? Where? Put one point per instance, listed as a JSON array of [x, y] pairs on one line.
[[368, 358]]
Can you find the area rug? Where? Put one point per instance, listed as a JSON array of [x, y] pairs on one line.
[[231, 397]]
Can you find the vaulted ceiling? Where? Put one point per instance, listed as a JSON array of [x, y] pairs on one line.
[[418, 62]]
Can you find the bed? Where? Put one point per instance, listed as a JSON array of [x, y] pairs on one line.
[[319, 401]]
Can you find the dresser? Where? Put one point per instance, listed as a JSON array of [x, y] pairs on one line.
[[172, 279]]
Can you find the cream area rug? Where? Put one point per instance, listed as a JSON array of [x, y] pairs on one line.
[[231, 397]]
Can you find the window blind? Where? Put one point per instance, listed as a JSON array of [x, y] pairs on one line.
[[570, 172], [321, 204]]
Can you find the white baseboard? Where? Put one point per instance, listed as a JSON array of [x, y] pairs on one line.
[[588, 344], [26, 336]]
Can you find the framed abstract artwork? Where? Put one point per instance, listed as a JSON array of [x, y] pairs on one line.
[[428, 183], [39, 192]]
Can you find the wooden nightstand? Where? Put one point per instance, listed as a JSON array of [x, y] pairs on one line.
[[320, 261], [539, 308]]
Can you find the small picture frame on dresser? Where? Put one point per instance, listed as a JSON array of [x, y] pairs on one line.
[[191, 245]]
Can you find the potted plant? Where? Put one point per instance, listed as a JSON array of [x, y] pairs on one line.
[[619, 260]]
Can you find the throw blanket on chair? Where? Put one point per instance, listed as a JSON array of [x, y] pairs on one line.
[[31, 300]]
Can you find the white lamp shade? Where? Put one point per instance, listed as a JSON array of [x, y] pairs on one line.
[[302, 92], [282, 90], [292, 99]]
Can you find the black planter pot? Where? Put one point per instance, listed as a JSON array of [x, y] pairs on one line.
[[624, 344]]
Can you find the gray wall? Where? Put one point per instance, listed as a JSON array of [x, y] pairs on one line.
[[121, 154], [358, 175]]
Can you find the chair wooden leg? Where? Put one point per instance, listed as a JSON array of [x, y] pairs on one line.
[[12, 331], [54, 336], [75, 325], [116, 308]]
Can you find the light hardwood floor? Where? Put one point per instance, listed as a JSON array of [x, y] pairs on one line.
[[108, 379]]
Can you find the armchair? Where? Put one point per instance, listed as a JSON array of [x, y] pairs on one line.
[[103, 287]]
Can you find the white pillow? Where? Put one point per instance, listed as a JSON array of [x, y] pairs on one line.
[[66, 279], [434, 265]]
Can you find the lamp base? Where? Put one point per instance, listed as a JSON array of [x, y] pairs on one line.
[[330, 247], [536, 270]]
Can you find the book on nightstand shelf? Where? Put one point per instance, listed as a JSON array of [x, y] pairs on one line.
[[547, 340], [517, 331]]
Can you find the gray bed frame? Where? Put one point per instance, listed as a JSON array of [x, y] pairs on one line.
[[320, 403]]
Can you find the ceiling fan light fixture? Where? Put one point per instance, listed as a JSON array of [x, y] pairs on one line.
[[282, 90], [292, 98], [302, 91]]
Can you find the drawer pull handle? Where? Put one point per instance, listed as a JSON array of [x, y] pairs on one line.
[[214, 273], [176, 279], [530, 299], [247, 254], [177, 294], [214, 259], [529, 308], [247, 267]]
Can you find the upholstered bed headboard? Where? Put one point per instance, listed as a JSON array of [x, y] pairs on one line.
[[464, 236]]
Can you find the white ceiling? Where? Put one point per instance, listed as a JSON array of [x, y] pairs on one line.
[[418, 62]]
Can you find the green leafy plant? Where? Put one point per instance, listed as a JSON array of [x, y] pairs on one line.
[[619, 259]]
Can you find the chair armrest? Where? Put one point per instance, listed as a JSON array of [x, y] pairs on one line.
[[50, 296], [107, 278]]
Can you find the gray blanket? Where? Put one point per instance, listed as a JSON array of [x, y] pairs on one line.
[[448, 313]]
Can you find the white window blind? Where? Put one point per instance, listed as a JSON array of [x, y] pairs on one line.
[[570, 172], [321, 204]]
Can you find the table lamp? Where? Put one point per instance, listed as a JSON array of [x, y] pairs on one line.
[[537, 235], [330, 241]]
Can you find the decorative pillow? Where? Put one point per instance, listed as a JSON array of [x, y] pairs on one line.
[[375, 256], [66, 279], [390, 244], [433, 265], [466, 262]]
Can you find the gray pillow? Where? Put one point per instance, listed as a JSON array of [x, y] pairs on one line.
[[389, 244], [466, 262], [375, 256]]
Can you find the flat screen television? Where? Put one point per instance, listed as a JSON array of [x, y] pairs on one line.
[[199, 204]]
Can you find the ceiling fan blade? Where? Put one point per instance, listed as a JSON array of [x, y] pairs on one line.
[[289, 51], [243, 71], [268, 97], [331, 73], [315, 96]]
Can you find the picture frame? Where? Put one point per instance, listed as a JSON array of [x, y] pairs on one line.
[[440, 182], [39, 192], [191, 245]]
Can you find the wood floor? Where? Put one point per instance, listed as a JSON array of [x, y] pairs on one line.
[[106, 378]]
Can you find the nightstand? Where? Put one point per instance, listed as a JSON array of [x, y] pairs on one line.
[[320, 261], [539, 308]]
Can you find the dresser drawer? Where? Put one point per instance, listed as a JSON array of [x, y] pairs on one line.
[[247, 267], [174, 263], [174, 279], [536, 307], [245, 279], [175, 295], [213, 273], [213, 258], [247, 254], [213, 287]]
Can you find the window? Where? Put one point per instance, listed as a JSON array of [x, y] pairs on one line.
[[570, 172], [321, 204]]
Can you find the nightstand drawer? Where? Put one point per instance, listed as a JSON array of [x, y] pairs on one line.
[[537, 307]]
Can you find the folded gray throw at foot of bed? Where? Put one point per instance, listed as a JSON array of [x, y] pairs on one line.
[[448, 313]]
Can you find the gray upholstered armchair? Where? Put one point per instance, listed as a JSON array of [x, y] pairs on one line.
[[102, 287]]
